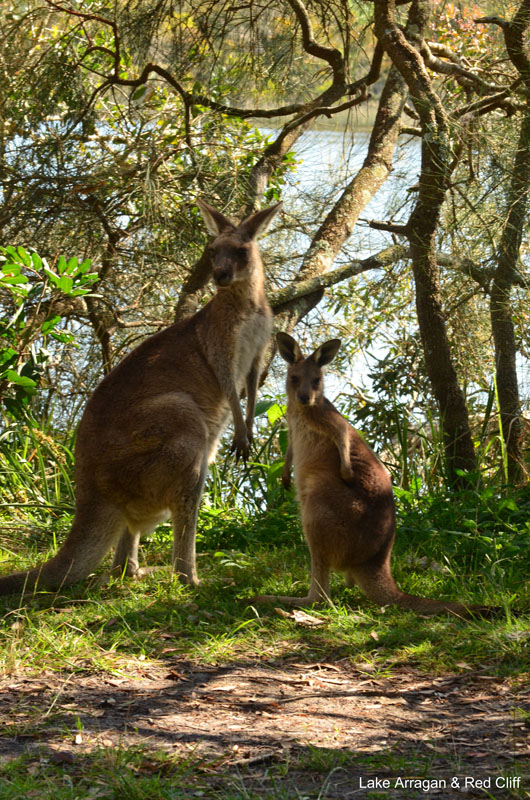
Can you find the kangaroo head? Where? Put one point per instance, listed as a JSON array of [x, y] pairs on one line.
[[305, 382], [233, 251]]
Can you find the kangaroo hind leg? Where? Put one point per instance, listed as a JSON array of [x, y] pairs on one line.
[[126, 555], [376, 581], [185, 509]]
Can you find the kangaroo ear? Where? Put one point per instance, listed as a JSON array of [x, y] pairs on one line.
[[288, 348], [215, 221], [326, 352], [258, 223]]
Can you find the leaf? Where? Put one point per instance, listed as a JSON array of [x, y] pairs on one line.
[[52, 276], [139, 92], [301, 617], [274, 472], [65, 284], [7, 355], [36, 260], [61, 265], [84, 266], [13, 279], [10, 268], [24, 256], [262, 406], [50, 324], [65, 337], [20, 380], [72, 266], [276, 412]]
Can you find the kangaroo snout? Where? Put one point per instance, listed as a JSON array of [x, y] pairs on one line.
[[223, 277], [304, 399]]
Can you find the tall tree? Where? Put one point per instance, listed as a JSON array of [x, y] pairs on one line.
[[508, 254], [436, 158]]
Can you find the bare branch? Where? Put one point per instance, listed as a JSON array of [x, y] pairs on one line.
[[391, 227], [486, 104], [385, 258], [494, 20], [455, 70], [332, 55]]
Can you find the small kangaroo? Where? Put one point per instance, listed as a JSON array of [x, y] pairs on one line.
[[345, 493], [153, 424]]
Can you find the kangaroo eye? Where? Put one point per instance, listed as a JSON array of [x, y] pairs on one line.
[[316, 383], [294, 380], [211, 251]]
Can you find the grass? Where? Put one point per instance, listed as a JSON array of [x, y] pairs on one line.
[[100, 627], [473, 546], [115, 774]]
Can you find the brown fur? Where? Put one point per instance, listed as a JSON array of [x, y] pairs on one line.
[[345, 493], [153, 424]]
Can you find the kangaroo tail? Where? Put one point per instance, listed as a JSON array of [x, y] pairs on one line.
[[92, 535], [380, 587]]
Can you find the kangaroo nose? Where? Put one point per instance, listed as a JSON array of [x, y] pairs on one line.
[[303, 399], [222, 277]]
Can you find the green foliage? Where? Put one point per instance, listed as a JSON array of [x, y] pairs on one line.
[[109, 624], [30, 289], [254, 486], [276, 527], [476, 528], [36, 471]]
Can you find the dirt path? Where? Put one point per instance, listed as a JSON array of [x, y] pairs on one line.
[[245, 717]]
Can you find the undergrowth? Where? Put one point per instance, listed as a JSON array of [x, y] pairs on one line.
[[472, 545], [102, 623]]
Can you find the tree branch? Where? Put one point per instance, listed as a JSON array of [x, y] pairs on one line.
[[391, 227], [294, 291], [332, 55], [455, 70]]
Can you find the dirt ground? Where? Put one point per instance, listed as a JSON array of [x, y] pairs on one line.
[[248, 717]]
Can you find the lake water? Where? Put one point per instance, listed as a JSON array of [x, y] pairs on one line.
[[329, 159]]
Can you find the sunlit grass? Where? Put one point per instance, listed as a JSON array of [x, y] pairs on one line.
[[100, 625]]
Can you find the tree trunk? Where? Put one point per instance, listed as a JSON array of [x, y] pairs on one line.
[[421, 231], [508, 256], [501, 308], [458, 444]]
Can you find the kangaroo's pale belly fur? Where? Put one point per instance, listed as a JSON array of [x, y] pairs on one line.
[[253, 338]]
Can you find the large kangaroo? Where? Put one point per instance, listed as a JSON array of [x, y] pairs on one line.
[[345, 493], [153, 424]]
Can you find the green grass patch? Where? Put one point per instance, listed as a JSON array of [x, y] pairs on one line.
[[100, 627]]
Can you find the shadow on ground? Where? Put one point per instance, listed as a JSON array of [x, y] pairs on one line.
[[337, 727]]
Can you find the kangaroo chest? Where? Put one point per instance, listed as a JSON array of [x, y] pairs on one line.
[[311, 449], [252, 337]]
